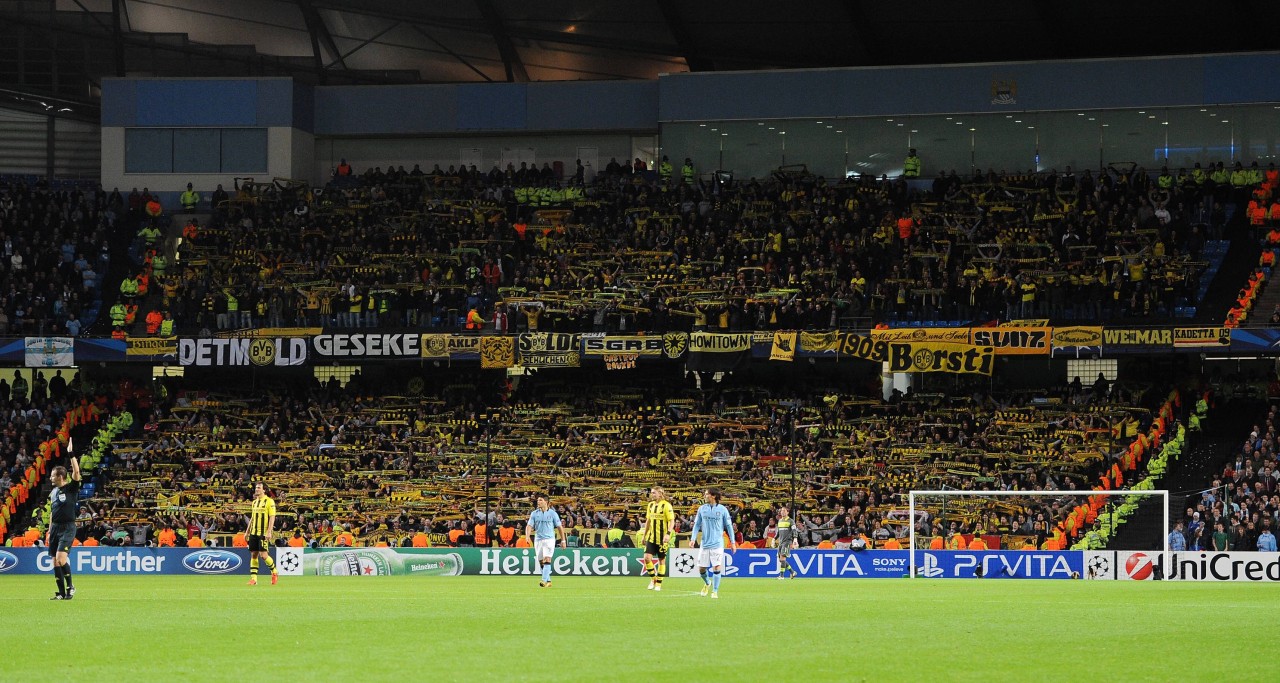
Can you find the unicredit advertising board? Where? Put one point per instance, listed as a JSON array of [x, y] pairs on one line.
[[1187, 566], [134, 560]]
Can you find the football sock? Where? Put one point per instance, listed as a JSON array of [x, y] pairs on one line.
[[546, 573], [782, 567], [253, 566], [57, 573], [648, 566], [659, 571], [715, 581], [271, 564], [66, 576], [705, 579]]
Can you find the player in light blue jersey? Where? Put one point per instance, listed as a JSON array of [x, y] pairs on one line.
[[545, 527], [711, 523]]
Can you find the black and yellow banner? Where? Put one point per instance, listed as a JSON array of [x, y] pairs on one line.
[[497, 352], [450, 345], [920, 356], [157, 347], [1202, 337], [950, 335], [1013, 341], [717, 351], [549, 350], [784, 346]]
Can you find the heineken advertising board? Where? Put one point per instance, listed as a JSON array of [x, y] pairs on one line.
[[468, 561]]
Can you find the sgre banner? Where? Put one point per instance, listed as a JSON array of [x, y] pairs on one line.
[[138, 560], [809, 564]]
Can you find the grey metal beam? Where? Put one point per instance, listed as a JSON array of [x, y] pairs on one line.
[[506, 49], [447, 49], [320, 34], [363, 43], [684, 41], [117, 34]]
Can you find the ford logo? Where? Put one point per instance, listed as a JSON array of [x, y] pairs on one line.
[[212, 562], [7, 560]]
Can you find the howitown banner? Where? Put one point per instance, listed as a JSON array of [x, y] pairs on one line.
[[718, 351], [1133, 565], [137, 560], [259, 351], [1014, 341], [468, 562]]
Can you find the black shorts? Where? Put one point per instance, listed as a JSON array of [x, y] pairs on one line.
[[61, 537], [258, 544], [651, 548]]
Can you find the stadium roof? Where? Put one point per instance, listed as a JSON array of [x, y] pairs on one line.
[[63, 47]]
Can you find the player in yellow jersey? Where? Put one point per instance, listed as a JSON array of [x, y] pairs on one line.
[[659, 521], [262, 523]]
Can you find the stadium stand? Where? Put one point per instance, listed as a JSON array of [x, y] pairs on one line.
[[632, 252], [54, 254], [385, 469]]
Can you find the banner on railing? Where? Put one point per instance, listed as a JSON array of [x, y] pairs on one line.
[[49, 352], [808, 563], [139, 560], [468, 562], [999, 564], [1124, 565]]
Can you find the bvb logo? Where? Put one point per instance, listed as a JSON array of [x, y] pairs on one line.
[[415, 386], [538, 342], [674, 344], [437, 345], [262, 351], [922, 359]]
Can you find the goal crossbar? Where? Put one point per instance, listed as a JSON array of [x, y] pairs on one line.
[[911, 499]]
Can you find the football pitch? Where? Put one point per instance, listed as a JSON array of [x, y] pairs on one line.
[[612, 629]]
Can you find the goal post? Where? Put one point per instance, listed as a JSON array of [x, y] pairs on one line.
[[926, 506]]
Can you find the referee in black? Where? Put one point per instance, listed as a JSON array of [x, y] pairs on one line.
[[63, 508]]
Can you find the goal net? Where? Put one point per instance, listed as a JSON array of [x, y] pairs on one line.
[[1066, 532]]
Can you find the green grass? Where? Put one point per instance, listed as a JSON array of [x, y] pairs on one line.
[[612, 629]]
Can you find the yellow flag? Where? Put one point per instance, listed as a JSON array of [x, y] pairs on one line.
[[784, 346]]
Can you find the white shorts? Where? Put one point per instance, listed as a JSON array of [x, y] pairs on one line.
[[544, 548], [710, 557]]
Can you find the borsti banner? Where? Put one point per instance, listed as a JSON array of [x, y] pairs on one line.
[[1187, 566], [999, 564], [809, 564], [949, 335], [718, 352], [1136, 340], [1202, 338], [354, 346], [919, 356], [451, 346], [548, 350], [468, 562], [159, 347], [1013, 341], [133, 560], [1076, 341], [599, 346], [258, 351], [50, 352]]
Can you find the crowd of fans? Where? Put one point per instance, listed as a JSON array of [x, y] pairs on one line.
[[637, 250], [1241, 509], [344, 464], [54, 255]]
